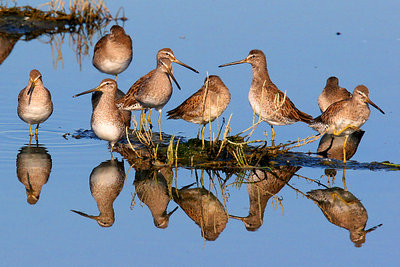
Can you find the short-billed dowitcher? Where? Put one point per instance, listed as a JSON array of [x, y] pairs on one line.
[[107, 121], [346, 116], [150, 82], [126, 114], [266, 100], [106, 182], [205, 105], [332, 93], [113, 52], [34, 102]]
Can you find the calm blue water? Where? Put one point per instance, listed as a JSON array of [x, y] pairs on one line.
[[302, 49]]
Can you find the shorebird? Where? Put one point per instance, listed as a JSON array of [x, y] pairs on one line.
[[126, 114], [266, 100], [332, 93], [34, 102], [107, 122], [204, 106], [343, 209], [151, 83], [346, 116], [106, 182], [113, 52]]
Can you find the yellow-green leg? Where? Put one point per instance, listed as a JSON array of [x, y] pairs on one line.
[[273, 135], [141, 120], [37, 129], [149, 119], [115, 79], [202, 136], [344, 148], [159, 123], [335, 132], [30, 130], [111, 151]]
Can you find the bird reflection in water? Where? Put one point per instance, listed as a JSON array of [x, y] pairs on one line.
[[152, 189], [106, 182], [203, 208], [262, 185], [331, 146], [7, 42], [33, 170], [343, 209]]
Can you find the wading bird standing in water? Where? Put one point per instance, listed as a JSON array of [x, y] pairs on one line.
[[34, 102]]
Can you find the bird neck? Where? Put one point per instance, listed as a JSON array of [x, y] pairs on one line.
[[107, 101], [260, 73]]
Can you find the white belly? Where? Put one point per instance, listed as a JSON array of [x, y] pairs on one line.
[[108, 131], [34, 114], [114, 67]]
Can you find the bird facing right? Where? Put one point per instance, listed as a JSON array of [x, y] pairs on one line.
[[345, 116], [154, 89]]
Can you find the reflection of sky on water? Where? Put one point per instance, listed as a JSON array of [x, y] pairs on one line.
[[302, 49]]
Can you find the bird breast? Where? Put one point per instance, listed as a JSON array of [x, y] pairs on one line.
[[156, 93], [38, 110]]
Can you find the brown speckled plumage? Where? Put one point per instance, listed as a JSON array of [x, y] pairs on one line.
[[332, 93], [34, 101], [352, 111], [204, 106], [107, 121], [129, 102], [265, 98], [113, 52]]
